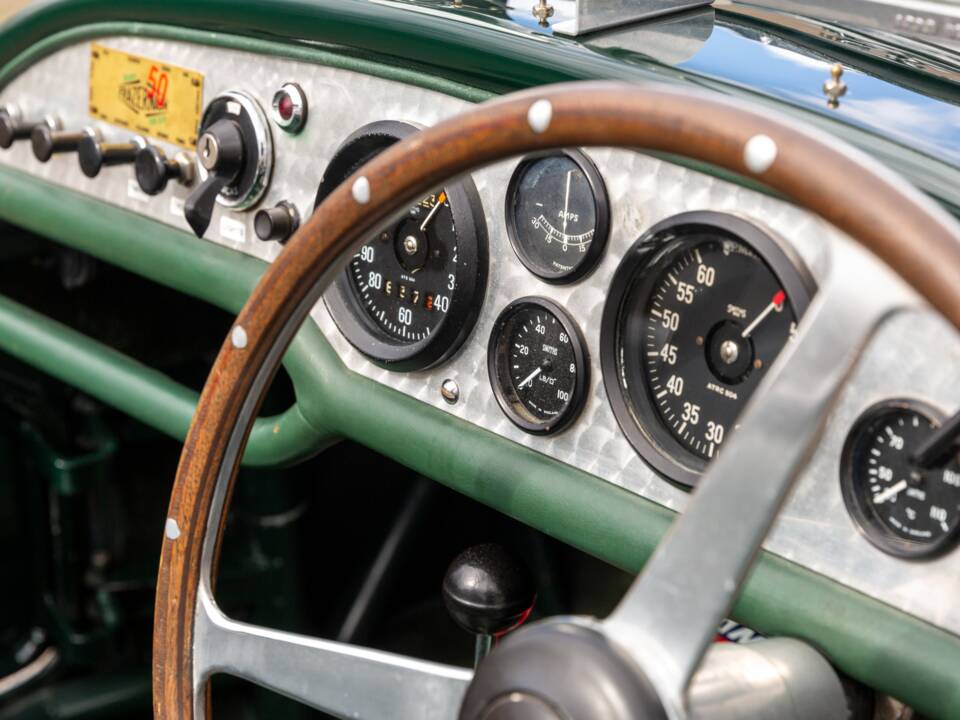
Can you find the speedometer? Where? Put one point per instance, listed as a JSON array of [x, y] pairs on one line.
[[698, 311], [411, 294]]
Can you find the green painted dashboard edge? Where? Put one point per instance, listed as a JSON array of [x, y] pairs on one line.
[[866, 639], [64, 38], [449, 51]]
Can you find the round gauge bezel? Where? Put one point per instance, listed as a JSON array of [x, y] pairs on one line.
[[637, 272], [503, 386], [601, 204], [468, 218], [869, 526]]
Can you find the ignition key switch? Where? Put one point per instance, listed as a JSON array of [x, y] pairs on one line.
[[235, 151]]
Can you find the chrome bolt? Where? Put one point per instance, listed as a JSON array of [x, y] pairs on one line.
[[411, 245], [729, 352], [450, 391]]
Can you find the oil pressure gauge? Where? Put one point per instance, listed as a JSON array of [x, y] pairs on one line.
[[904, 509], [538, 365], [557, 215]]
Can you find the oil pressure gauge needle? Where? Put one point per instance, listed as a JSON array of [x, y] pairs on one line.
[[529, 378], [942, 441], [433, 211], [776, 303]]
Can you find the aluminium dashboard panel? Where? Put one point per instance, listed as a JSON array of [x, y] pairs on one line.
[[912, 355]]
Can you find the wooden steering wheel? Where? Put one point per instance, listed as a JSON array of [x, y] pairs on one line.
[[658, 636]]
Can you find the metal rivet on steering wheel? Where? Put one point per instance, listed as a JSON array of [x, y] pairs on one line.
[[664, 625]]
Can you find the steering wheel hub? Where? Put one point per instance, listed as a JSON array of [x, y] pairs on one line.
[[560, 670]]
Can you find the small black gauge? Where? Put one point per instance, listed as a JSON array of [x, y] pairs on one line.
[[538, 365], [411, 295], [698, 310], [557, 215], [903, 509]]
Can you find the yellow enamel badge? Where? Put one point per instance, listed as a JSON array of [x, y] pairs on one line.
[[148, 97]]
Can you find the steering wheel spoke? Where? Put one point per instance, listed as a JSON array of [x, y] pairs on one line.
[[669, 617], [343, 680]]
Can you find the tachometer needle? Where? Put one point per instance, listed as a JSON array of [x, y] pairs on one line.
[[440, 201], [529, 378], [566, 201], [892, 491], [774, 304]]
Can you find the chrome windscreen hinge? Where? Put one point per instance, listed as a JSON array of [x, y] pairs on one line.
[[592, 15]]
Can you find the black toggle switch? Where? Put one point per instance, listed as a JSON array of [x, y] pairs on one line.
[[48, 142], [488, 592], [278, 223], [221, 152], [95, 155], [154, 169], [13, 127]]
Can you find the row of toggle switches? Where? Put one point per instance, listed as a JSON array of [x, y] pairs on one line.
[[153, 168]]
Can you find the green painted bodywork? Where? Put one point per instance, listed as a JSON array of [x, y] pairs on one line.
[[202, 270], [872, 642], [137, 390]]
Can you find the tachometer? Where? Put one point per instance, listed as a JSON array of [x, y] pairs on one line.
[[698, 311], [412, 293], [557, 215], [902, 508]]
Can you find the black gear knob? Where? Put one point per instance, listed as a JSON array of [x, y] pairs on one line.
[[488, 592]]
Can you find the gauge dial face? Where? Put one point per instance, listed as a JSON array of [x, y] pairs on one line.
[[538, 365], [406, 278], [700, 309], [903, 509], [557, 215], [411, 295]]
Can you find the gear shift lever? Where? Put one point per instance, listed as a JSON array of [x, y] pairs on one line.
[[488, 592]]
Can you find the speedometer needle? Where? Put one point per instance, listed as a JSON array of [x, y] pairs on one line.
[[777, 302], [890, 492], [440, 201], [529, 378]]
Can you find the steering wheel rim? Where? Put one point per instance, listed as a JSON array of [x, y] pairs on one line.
[[818, 173]]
